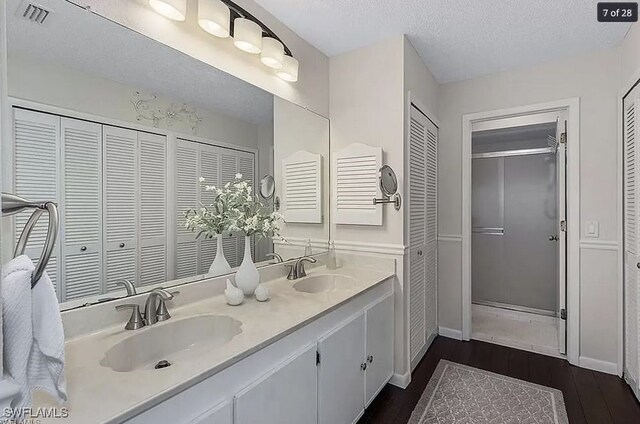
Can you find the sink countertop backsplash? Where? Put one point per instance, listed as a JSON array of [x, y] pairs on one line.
[[99, 393]]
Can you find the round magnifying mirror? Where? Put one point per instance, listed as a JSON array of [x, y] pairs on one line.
[[388, 181], [267, 187]]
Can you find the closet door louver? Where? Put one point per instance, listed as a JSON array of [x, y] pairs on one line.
[[356, 185], [153, 208], [36, 163], [302, 188], [120, 200], [423, 232], [210, 170], [417, 236], [431, 242], [81, 208], [187, 180], [631, 241]]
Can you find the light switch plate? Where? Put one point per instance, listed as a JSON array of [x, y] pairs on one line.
[[592, 229]]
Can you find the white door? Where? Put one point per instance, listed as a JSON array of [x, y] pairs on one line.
[[561, 164], [423, 232], [379, 339], [285, 395], [120, 199], [220, 414], [81, 208], [341, 373], [631, 240]]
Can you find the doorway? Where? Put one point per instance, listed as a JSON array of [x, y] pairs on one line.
[[517, 245], [518, 181]]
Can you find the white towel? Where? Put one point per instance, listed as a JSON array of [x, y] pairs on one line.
[[33, 333]]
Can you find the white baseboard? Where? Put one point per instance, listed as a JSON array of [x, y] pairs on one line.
[[632, 383], [598, 365], [450, 333], [401, 380]]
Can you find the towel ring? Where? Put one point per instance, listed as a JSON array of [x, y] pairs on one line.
[[12, 204]]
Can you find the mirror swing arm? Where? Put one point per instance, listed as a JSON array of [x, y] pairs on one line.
[[389, 188]]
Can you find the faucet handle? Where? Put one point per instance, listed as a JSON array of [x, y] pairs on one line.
[[293, 271], [162, 312], [135, 321]]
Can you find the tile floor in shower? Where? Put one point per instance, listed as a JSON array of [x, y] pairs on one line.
[[520, 330]]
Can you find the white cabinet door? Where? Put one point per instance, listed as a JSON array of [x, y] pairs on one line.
[[220, 414], [341, 374], [81, 208], [285, 395], [379, 339]]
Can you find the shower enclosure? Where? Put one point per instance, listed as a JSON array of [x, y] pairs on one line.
[[515, 219]]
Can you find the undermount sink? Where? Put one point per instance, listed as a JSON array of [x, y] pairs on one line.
[[322, 283], [149, 345]]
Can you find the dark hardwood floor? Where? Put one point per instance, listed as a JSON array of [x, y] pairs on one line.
[[590, 397]]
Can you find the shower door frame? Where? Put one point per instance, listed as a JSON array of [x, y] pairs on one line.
[[572, 108]]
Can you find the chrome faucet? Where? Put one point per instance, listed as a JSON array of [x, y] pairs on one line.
[[128, 285], [276, 256], [153, 312], [297, 270]]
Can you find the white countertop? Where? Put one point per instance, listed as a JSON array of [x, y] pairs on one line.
[[98, 394]]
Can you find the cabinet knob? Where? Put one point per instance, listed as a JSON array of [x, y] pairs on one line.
[[363, 366], [638, 265], [370, 359], [83, 248], [419, 252], [121, 244]]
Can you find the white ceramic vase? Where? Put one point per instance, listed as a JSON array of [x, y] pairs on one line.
[[247, 276], [219, 266]]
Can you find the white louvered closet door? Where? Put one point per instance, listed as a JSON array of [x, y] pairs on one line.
[[120, 165], [81, 208], [209, 162], [187, 175], [631, 240], [152, 178], [36, 163], [423, 137]]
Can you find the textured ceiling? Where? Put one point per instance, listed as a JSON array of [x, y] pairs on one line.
[[457, 39], [87, 42]]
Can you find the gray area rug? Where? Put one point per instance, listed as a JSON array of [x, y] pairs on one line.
[[460, 394]]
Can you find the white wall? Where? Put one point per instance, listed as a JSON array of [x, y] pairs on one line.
[[57, 85], [310, 91], [630, 55], [295, 129], [595, 78], [369, 95]]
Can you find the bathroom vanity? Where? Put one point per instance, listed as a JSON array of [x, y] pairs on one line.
[[308, 355]]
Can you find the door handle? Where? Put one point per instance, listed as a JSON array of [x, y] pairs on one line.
[[553, 237]]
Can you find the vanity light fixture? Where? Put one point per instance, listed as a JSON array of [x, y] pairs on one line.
[[272, 53], [289, 71], [224, 18], [247, 35], [214, 17], [172, 9]]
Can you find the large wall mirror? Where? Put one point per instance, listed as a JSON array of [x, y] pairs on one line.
[[126, 134]]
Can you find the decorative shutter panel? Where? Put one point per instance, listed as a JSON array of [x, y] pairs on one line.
[[302, 188], [81, 208], [631, 218], [153, 208], [431, 248], [36, 165], [356, 185], [120, 200], [187, 198], [417, 235]]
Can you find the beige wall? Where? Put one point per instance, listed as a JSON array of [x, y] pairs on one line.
[[295, 129], [595, 79], [310, 91], [367, 107]]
